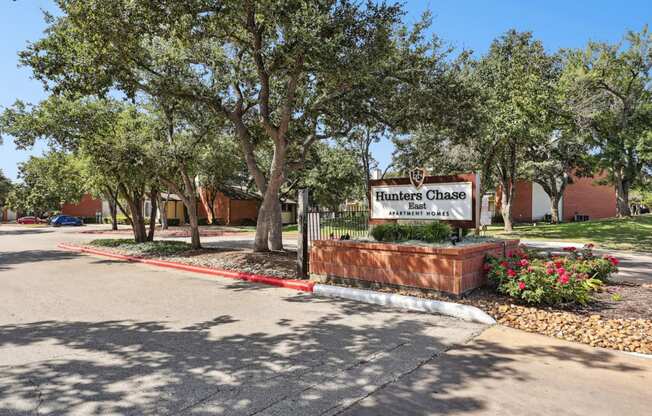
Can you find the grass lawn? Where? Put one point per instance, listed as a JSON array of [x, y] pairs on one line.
[[618, 234]]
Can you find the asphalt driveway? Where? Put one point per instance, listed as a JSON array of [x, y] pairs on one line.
[[85, 335], [90, 336]]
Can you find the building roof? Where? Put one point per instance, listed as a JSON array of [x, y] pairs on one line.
[[235, 193]]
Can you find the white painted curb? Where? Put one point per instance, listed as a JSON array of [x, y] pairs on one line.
[[456, 310]]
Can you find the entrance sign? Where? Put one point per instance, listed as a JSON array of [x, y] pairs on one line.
[[452, 201], [449, 198], [417, 176]]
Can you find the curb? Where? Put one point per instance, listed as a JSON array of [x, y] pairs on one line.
[[300, 285], [456, 310]]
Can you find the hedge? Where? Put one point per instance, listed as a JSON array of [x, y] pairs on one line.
[[434, 232]]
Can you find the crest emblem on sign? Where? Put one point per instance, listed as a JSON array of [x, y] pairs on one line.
[[417, 175]]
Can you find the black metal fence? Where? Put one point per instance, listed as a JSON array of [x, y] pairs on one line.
[[328, 225]]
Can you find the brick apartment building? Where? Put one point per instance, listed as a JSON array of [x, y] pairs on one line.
[[584, 196], [232, 206]]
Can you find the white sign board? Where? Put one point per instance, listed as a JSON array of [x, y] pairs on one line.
[[431, 201]]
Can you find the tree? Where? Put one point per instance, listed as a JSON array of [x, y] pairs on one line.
[[438, 155], [5, 188], [359, 142], [285, 74], [332, 174], [46, 183], [516, 80], [219, 164], [610, 95], [111, 139], [179, 134], [123, 157], [553, 161]]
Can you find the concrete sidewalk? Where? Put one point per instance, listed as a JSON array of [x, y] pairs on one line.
[[510, 372]]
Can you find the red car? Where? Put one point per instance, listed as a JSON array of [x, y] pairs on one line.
[[29, 220]]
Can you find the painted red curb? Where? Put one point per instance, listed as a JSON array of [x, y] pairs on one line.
[[300, 285]]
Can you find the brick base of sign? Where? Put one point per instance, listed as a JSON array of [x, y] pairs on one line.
[[454, 270]]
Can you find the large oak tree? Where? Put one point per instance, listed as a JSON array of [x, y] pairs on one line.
[[283, 73]]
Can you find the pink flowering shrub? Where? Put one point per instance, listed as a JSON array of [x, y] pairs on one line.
[[535, 277]]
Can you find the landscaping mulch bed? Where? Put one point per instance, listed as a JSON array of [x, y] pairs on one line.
[[279, 264], [622, 322]]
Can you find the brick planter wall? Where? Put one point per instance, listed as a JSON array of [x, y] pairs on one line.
[[454, 270]]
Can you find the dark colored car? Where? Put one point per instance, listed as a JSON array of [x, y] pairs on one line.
[[29, 220], [60, 220]]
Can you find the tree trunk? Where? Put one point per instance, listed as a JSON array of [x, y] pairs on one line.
[[112, 199], [276, 227], [153, 197], [269, 235], [195, 242], [189, 199], [113, 210], [137, 220], [508, 184], [210, 202], [163, 211], [622, 197], [554, 208], [506, 206]]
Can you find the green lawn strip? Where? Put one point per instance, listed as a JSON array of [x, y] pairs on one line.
[[617, 234], [151, 248]]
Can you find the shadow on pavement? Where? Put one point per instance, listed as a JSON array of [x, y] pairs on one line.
[[25, 231], [12, 258], [132, 367]]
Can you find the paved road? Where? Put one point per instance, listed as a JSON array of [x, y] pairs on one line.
[[89, 336], [85, 335]]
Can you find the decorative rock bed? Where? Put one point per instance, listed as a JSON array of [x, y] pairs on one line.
[[455, 270]]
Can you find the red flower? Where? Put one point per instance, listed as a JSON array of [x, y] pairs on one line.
[[558, 264], [563, 279], [550, 271], [509, 254], [504, 263], [611, 259], [486, 267], [561, 271], [524, 263], [569, 249], [511, 273], [521, 285]]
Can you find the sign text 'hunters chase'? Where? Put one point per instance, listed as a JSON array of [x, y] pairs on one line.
[[431, 201]]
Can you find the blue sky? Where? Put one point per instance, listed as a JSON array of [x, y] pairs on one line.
[[468, 24]]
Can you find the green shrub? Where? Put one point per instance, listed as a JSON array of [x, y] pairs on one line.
[[89, 220], [202, 221], [122, 219], [544, 279], [433, 232]]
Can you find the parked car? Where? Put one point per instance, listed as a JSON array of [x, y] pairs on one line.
[[60, 220], [29, 220]]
